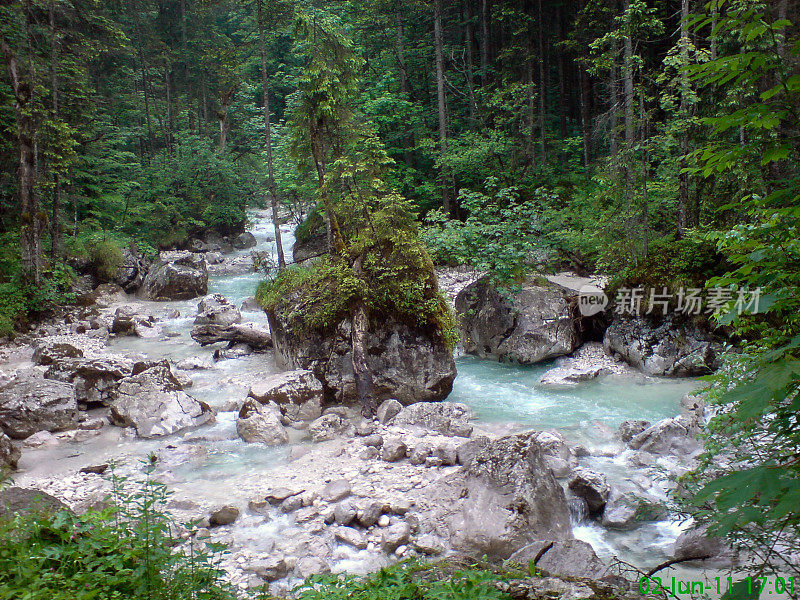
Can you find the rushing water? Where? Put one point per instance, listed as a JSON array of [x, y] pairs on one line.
[[502, 395]]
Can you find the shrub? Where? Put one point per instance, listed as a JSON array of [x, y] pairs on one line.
[[106, 257], [128, 551]]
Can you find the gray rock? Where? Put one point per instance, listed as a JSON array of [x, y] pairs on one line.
[[224, 515], [244, 240], [369, 514], [375, 440], [446, 418], [131, 273], [429, 544], [408, 363], [271, 568], [29, 404], [420, 453], [215, 309], [329, 427], [663, 347], [388, 410], [368, 453], [549, 587], [260, 424], [394, 536], [250, 304], [345, 512], [393, 449], [446, 452], [311, 565], [592, 487], [46, 352], [626, 510], [709, 551], [628, 429], [154, 403], [676, 436], [470, 449], [535, 324], [510, 499], [96, 380], [298, 394], [570, 375], [21, 501], [565, 558], [291, 504], [278, 495], [9, 453], [177, 276], [351, 537], [336, 490]]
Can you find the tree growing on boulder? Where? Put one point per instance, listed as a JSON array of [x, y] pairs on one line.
[[375, 262]]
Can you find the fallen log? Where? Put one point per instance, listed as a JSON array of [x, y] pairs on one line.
[[237, 333]]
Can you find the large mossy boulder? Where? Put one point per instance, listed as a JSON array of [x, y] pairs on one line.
[[534, 323], [408, 363]]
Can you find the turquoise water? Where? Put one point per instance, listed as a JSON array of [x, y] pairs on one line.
[[500, 392]]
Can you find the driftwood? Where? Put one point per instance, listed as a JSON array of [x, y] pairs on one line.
[[238, 333]]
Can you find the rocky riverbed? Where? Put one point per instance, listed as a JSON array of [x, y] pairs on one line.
[[297, 484]]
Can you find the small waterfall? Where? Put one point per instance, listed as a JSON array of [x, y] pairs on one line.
[[578, 510]]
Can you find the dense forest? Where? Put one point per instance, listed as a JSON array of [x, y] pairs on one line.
[[653, 141]]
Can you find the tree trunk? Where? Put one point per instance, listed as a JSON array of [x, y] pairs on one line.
[[683, 177], [442, 104], [586, 123], [273, 191], [531, 106], [542, 85], [562, 88], [30, 239], [484, 42], [405, 87], [613, 119], [168, 96], [225, 101], [332, 231], [361, 370], [55, 219], [469, 36], [627, 70]]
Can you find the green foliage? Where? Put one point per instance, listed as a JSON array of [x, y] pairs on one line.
[[127, 551], [499, 235], [106, 256], [406, 581]]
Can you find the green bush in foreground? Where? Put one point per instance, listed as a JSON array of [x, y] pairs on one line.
[[127, 551]]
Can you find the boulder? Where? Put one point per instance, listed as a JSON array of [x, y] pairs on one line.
[[510, 499], [46, 352], [571, 375], [270, 568], [262, 424], [388, 410], [95, 379], [564, 558], [132, 271], [9, 453], [336, 490], [17, 500], [535, 324], [310, 246], [558, 455], [250, 304], [394, 536], [225, 515], [154, 403], [408, 363], [177, 276], [393, 449], [104, 295], [351, 536], [663, 347], [237, 333], [707, 551], [29, 404], [676, 436], [329, 427], [592, 487], [626, 510], [446, 418], [628, 429], [244, 240], [298, 394], [216, 310], [129, 321]]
